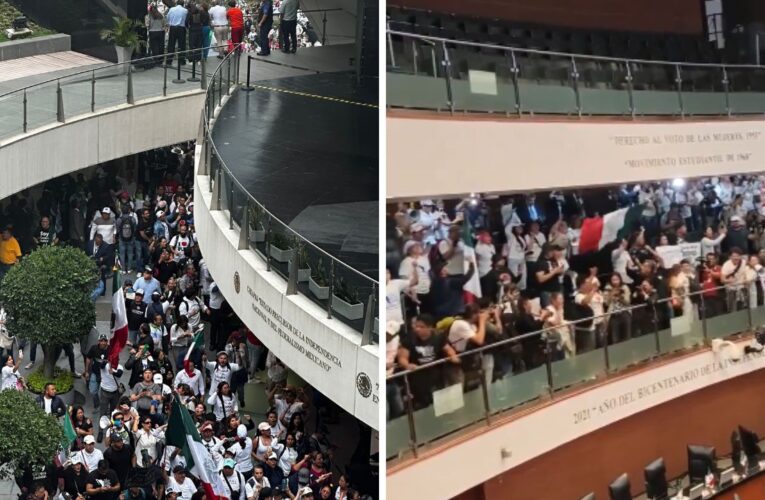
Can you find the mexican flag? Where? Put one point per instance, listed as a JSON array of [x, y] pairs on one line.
[[598, 232], [183, 434], [473, 287], [197, 343], [120, 330], [66, 442]]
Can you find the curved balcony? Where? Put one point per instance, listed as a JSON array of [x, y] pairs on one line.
[[508, 387], [434, 73], [310, 308], [65, 124]]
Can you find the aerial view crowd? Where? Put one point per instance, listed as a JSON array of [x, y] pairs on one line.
[[186, 352], [584, 269]]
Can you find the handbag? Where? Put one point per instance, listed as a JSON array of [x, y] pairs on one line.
[[120, 386]]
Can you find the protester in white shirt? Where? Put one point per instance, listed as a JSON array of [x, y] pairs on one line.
[[10, 373], [90, 455], [181, 485], [416, 263], [191, 377], [515, 251], [393, 291]]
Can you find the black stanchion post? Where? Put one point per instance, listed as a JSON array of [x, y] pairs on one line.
[[178, 78], [193, 71], [247, 87]]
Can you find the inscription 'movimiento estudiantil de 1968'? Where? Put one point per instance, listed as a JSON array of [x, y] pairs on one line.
[[293, 335]]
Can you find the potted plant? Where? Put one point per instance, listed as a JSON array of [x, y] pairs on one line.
[[280, 247], [345, 300], [318, 282], [124, 35], [304, 270], [257, 231]]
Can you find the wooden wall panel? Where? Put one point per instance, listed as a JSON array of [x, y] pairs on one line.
[[676, 16], [591, 462]]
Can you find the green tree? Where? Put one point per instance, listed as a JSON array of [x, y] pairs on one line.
[[47, 297], [28, 437]]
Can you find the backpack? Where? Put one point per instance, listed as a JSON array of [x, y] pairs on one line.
[[126, 228]]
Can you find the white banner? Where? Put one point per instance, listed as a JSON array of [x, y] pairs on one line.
[[670, 255]]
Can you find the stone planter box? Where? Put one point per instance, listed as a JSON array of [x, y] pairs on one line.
[[303, 275], [346, 310], [278, 254], [257, 235], [321, 292]]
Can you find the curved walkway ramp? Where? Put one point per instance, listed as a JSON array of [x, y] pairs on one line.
[[310, 308]]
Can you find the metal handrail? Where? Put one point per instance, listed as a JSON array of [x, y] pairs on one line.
[[568, 323], [207, 116], [567, 55], [108, 66]]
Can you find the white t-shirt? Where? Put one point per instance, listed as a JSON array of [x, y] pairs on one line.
[[391, 349], [459, 334], [9, 378], [284, 410], [393, 291], [596, 304], [236, 480], [243, 455], [218, 15], [534, 244], [252, 488], [287, 460], [90, 460], [108, 381], [422, 266], [620, 259], [484, 252], [185, 490]]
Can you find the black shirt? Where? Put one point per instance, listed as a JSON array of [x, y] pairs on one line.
[[107, 479], [551, 285], [425, 351], [45, 236], [120, 461], [74, 483], [166, 270], [147, 226], [99, 358], [136, 313]]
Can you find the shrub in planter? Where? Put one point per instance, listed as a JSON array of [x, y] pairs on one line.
[[63, 379], [345, 300], [280, 246], [304, 270], [257, 230], [318, 282], [124, 35]]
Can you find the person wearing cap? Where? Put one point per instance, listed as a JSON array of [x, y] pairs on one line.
[[212, 443], [109, 394], [429, 221], [119, 454], [161, 227], [136, 314], [242, 451], [304, 492], [103, 483], [271, 469], [147, 282], [233, 481], [416, 265], [75, 477], [104, 223], [90, 455], [181, 484]]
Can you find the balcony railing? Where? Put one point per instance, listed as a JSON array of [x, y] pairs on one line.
[[426, 72], [496, 378], [345, 293], [61, 99]]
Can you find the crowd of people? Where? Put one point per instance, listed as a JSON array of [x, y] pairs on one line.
[[534, 279], [141, 224], [174, 25]]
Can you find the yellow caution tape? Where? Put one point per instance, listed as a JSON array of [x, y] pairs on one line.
[[315, 96]]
